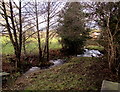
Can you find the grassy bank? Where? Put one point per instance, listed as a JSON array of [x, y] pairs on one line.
[[76, 74]]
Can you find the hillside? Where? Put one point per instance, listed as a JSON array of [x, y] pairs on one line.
[[76, 74]]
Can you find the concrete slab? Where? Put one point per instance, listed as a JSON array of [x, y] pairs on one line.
[[110, 86], [3, 74]]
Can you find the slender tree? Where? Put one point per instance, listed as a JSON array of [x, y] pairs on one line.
[[51, 11], [20, 33], [47, 32], [37, 27]]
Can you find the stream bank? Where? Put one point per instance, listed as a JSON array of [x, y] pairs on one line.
[[79, 73], [57, 62]]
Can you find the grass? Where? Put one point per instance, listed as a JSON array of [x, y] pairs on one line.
[[71, 75], [7, 49], [94, 47], [78, 73], [6, 45], [93, 44], [54, 43], [31, 45]]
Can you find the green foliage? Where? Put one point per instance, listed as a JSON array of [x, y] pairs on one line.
[[72, 45], [54, 43], [4, 39], [7, 49], [71, 28]]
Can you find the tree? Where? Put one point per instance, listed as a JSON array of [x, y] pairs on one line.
[[71, 28], [107, 15], [38, 10], [51, 11], [37, 27], [13, 27], [47, 32]]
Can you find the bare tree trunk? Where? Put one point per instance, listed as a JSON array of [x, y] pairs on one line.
[[47, 32], [20, 36], [111, 49], [12, 20], [37, 27], [15, 34], [7, 24], [24, 39], [9, 31]]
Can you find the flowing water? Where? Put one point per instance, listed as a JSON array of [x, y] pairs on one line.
[[56, 63], [91, 53], [87, 53]]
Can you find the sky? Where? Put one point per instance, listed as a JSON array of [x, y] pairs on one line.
[[41, 18], [71, 0]]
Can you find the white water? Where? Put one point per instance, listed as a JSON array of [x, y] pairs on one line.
[[56, 63], [91, 53], [32, 70], [87, 53]]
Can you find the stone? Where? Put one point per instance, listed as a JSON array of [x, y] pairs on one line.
[[110, 86]]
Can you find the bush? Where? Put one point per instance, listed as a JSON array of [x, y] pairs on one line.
[[72, 46]]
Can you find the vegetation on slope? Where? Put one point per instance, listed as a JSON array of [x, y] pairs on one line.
[[79, 73]]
